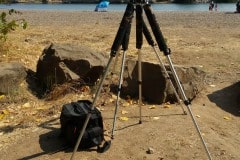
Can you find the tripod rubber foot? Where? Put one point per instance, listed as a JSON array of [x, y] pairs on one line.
[[140, 122]]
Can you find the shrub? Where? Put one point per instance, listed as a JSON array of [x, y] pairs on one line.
[[7, 26]]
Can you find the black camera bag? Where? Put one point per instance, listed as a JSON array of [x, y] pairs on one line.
[[72, 119]]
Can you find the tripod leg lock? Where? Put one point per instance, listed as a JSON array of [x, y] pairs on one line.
[[113, 53], [139, 82], [119, 89], [187, 102], [168, 52]]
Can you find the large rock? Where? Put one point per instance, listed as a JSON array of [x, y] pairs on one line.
[[11, 75], [156, 88], [61, 63]]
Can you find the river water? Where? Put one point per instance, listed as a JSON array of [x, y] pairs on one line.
[[222, 7]]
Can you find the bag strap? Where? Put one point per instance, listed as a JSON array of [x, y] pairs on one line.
[[96, 135], [104, 148]]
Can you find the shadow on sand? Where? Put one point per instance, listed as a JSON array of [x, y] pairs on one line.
[[50, 142], [228, 98]]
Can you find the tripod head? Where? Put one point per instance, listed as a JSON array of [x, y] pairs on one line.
[[121, 39], [139, 1]]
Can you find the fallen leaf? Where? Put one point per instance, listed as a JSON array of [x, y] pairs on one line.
[[85, 89], [198, 116], [155, 118], [55, 116], [168, 103], [2, 96], [22, 84], [212, 85], [100, 109], [114, 96], [167, 106], [123, 118], [38, 120], [124, 112], [152, 107], [26, 105], [5, 112], [130, 101], [33, 113], [111, 100], [1, 116], [126, 104], [226, 118]]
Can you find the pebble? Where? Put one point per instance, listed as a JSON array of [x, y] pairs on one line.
[[150, 150]]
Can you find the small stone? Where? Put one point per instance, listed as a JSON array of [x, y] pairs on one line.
[[150, 150]]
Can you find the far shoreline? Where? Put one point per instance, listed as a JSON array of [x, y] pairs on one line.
[[230, 7]]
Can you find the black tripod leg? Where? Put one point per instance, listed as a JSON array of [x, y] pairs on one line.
[[121, 34], [127, 18], [163, 47], [150, 41]]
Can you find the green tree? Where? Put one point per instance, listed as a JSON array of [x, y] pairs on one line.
[[7, 25]]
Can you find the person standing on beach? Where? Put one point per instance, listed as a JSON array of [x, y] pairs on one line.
[[211, 6], [215, 6]]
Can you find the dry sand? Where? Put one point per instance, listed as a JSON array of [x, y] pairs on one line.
[[207, 39]]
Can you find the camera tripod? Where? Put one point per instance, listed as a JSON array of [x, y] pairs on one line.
[[122, 39]]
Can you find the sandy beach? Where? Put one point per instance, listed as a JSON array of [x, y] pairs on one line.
[[188, 34], [207, 39]]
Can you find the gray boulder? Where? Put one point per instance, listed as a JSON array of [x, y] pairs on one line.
[[61, 63], [156, 88], [11, 75]]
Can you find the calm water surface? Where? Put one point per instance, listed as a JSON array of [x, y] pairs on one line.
[[222, 7]]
